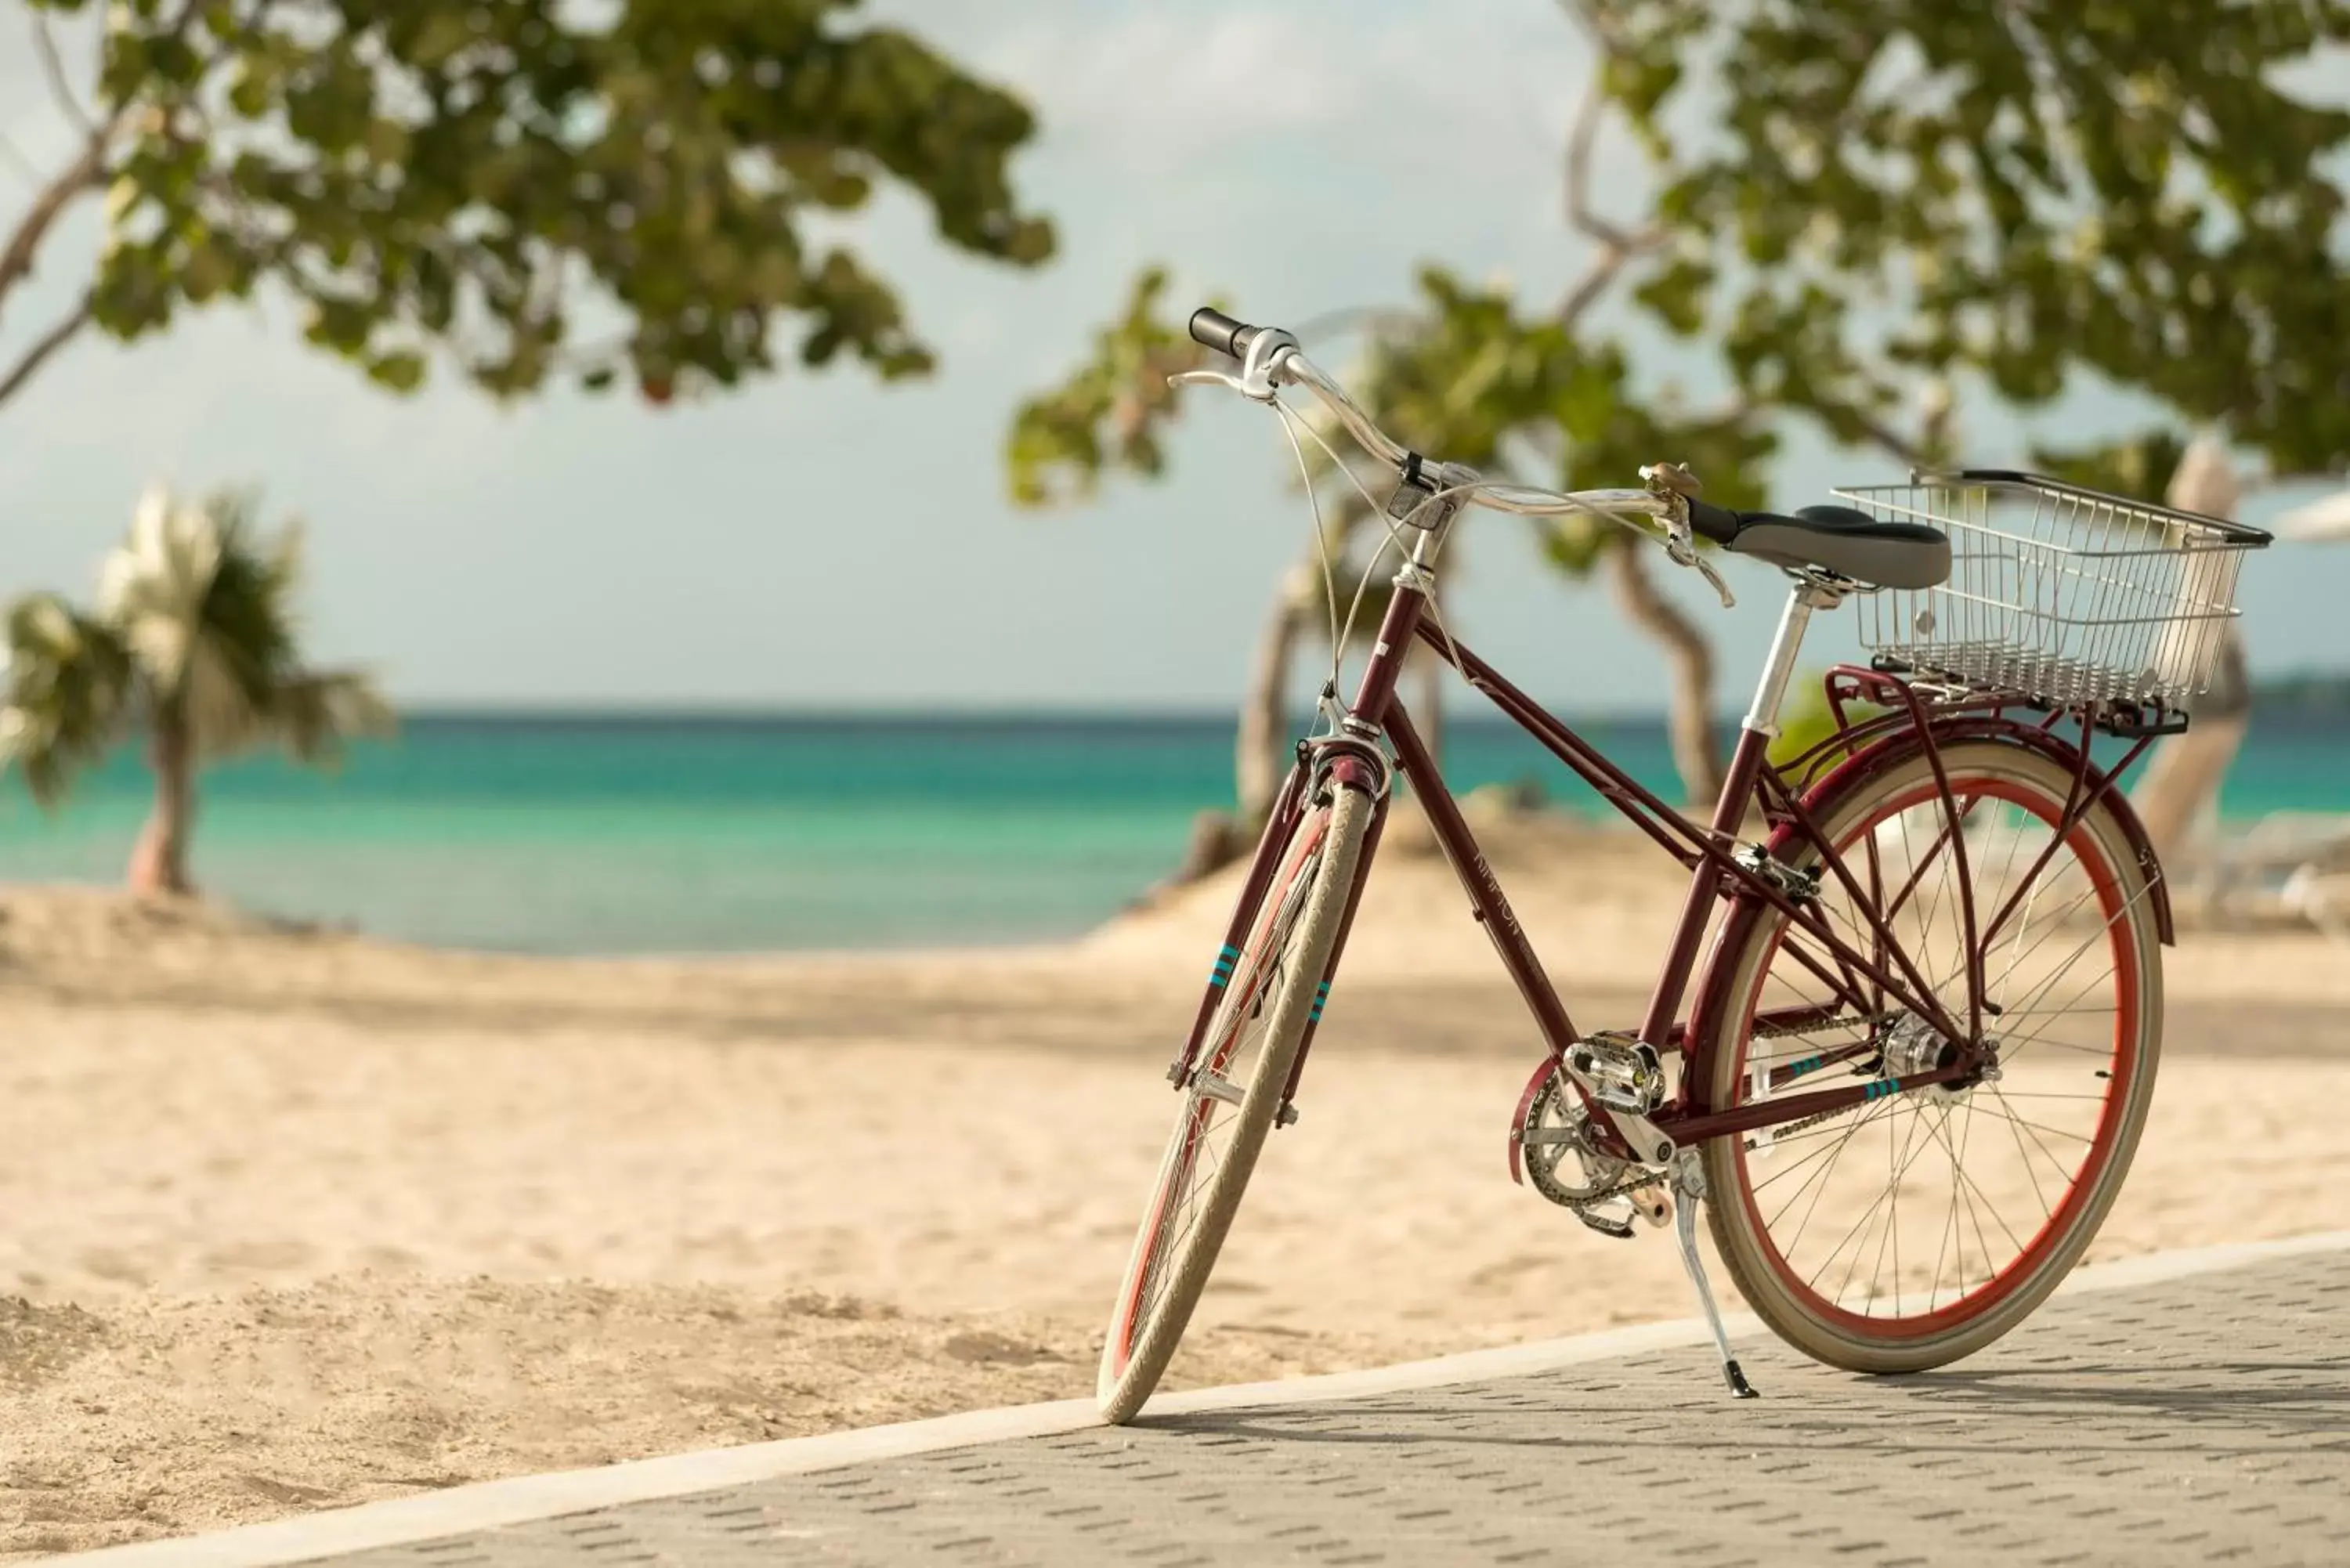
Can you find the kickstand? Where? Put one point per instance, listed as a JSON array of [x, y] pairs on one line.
[[1689, 1187]]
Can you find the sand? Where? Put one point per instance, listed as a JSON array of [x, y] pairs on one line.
[[298, 1220]]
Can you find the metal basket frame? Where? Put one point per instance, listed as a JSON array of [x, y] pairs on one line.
[[2065, 595]]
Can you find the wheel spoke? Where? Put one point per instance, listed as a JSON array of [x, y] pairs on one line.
[[1940, 1221], [1225, 1118], [1825, 1151], [2016, 1131], [1874, 1204]]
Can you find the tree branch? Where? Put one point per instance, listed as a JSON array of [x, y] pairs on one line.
[[1617, 243], [1591, 285], [83, 175], [87, 172], [1892, 442], [57, 337], [1580, 135], [55, 68]]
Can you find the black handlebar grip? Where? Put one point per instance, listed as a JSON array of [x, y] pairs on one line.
[[1715, 522], [1211, 328]]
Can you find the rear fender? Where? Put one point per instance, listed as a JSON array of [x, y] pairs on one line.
[[1896, 747], [1900, 745]]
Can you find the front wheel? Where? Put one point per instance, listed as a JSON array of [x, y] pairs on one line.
[[1273, 987], [1918, 1226]]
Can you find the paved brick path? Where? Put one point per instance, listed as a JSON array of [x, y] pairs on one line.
[[2199, 1420]]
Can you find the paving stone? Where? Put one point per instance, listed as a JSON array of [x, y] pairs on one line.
[[2196, 1420]]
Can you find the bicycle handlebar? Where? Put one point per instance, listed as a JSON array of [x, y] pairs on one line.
[[1284, 362], [1211, 328]]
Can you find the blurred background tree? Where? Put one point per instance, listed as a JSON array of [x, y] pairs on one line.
[[193, 644], [1867, 212], [523, 190], [534, 189]]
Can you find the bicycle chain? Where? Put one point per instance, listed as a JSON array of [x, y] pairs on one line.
[[1787, 1031]]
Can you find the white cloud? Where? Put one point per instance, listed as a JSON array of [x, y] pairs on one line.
[[1161, 84], [1155, 88]]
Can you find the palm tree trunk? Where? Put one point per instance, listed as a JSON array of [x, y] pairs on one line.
[[1697, 754], [2178, 796], [159, 861], [1261, 750]]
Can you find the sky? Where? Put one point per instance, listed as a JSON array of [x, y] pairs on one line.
[[826, 542]]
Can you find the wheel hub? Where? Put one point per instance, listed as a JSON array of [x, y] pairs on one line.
[[1912, 1046]]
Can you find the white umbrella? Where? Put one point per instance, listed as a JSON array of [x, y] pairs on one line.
[[2326, 519]]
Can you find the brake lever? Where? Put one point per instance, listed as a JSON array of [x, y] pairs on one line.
[[1681, 545], [1722, 588], [1261, 394], [1265, 353]]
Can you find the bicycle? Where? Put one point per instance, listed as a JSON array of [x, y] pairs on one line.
[[1872, 990]]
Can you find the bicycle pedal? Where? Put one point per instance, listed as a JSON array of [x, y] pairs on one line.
[[1607, 1225]]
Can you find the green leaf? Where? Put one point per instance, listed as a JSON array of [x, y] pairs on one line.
[[450, 173], [1112, 410], [66, 695], [401, 370]]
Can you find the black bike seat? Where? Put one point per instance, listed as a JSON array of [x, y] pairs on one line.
[[1841, 539]]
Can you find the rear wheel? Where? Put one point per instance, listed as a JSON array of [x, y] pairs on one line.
[[1274, 990], [1918, 1226]]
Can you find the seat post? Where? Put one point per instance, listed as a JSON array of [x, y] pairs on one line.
[[1808, 595]]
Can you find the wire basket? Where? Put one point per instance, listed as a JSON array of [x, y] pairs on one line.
[[2067, 595]]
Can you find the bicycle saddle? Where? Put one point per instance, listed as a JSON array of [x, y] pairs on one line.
[[1840, 539]]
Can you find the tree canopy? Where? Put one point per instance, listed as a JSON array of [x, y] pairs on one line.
[[2025, 197], [1866, 215], [545, 190], [1870, 209]]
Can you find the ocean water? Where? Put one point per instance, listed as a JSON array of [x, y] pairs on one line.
[[630, 834]]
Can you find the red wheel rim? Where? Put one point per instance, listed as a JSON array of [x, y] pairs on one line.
[[2085, 1180], [1249, 973]]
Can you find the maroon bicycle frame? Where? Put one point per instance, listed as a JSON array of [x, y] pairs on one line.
[[1867, 979]]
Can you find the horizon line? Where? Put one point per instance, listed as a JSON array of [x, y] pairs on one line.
[[961, 713], [555, 713]]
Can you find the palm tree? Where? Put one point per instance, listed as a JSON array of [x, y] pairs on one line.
[[193, 640]]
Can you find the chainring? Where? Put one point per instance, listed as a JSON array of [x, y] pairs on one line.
[[1569, 1170]]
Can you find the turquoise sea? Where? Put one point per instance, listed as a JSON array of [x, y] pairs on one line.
[[610, 834]]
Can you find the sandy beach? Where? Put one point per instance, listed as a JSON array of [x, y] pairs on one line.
[[298, 1220]]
